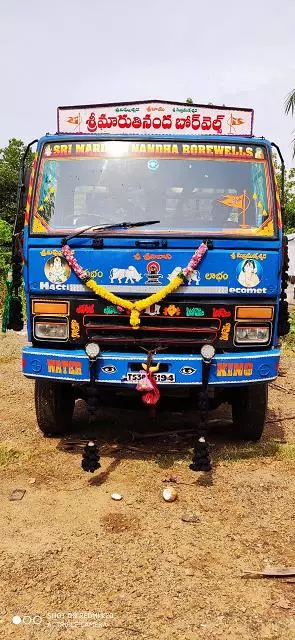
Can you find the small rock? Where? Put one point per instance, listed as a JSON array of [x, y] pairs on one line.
[[172, 478], [169, 494], [189, 572], [283, 603], [116, 496], [171, 558], [169, 615], [31, 480], [190, 517]]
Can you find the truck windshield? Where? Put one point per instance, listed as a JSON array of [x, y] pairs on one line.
[[222, 189]]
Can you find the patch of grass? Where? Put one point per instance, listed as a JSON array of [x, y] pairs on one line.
[[289, 340], [8, 455], [248, 451], [286, 451], [167, 460]]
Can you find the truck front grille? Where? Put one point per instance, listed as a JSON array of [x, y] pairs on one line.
[[166, 332]]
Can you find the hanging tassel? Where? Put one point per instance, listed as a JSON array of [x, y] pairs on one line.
[[90, 458], [7, 302], [201, 456], [16, 322]]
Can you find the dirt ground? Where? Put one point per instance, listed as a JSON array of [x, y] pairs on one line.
[[76, 564]]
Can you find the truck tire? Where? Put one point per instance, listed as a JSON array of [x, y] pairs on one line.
[[54, 404], [249, 406]]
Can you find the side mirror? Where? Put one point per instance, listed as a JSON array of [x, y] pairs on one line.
[[22, 191], [282, 194], [13, 302]]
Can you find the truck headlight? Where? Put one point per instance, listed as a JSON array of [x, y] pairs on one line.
[[51, 330], [252, 335]]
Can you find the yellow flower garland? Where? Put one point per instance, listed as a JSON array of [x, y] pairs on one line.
[[140, 305]]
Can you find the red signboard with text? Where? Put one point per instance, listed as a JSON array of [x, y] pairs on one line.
[[154, 118]]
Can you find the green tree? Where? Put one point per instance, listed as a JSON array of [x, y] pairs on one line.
[[10, 160], [290, 102], [290, 201], [189, 101], [289, 217], [5, 251]]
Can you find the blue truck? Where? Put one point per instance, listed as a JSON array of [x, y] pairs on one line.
[[153, 256]]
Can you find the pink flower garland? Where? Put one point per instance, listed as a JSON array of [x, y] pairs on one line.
[[71, 260], [195, 260]]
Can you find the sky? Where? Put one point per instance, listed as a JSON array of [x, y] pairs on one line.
[[67, 52]]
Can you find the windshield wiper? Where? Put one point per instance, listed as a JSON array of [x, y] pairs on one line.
[[105, 227]]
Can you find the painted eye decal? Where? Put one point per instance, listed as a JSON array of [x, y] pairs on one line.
[[110, 368], [187, 371]]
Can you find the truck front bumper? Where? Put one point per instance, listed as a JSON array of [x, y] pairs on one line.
[[125, 368]]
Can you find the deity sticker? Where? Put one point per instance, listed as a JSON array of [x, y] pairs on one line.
[[153, 270], [249, 273], [153, 310], [57, 270]]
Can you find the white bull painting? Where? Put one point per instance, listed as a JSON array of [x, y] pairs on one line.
[[130, 274], [194, 277]]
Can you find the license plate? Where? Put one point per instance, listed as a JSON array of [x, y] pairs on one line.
[[159, 377]]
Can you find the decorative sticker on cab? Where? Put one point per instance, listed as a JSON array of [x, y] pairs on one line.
[[109, 368], [153, 273], [193, 277], [57, 270], [234, 369], [130, 274], [72, 367], [187, 371], [249, 273]]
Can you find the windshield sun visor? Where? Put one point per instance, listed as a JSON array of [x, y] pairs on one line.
[[192, 188]]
